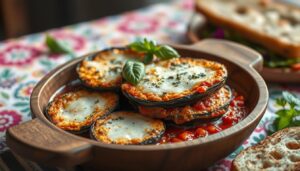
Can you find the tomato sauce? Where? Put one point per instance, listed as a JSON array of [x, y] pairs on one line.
[[236, 112]]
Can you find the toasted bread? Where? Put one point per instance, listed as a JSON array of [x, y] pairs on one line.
[[276, 26], [281, 151]]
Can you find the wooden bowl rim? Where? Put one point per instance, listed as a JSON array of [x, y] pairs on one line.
[[284, 75], [252, 117]]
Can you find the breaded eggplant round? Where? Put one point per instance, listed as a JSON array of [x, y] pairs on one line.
[[213, 106], [126, 127], [102, 70], [176, 82], [75, 111]]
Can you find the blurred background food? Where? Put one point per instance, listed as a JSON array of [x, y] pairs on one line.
[[20, 17]]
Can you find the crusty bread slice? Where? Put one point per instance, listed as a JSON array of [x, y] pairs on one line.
[[281, 151], [276, 26]]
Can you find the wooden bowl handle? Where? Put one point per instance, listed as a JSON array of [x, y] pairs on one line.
[[34, 140], [231, 51]]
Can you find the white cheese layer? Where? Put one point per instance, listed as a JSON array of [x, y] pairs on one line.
[[176, 79], [110, 68], [129, 127], [81, 108]]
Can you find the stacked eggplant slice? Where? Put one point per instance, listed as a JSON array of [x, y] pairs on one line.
[[102, 71], [75, 111], [179, 90]]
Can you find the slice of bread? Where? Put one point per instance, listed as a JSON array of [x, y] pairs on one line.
[[276, 26], [281, 151]]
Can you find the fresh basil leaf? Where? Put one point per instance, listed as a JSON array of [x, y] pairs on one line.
[[291, 99], [138, 46], [133, 71], [282, 112], [166, 52], [143, 46], [148, 58], [297, 112], [281, 102], [287, 117], [284, 122], [150, 45], [55, 46], [151, 48]]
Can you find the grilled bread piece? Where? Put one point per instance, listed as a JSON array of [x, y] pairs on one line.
[[273, 25], [281, 151]]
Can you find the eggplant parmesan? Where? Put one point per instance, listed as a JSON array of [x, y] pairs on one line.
[[75, 111], [213, 106], [126, 127], [103, 70], [178, 81]]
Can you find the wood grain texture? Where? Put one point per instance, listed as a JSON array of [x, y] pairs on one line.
[[190, 155], [35, 138], [279, 75]]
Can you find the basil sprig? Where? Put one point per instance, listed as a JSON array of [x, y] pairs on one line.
[[289, 113], [56, 46], [150, 48], [133, 71]]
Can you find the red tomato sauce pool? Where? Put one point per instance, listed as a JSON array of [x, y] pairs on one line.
[[236, 112]]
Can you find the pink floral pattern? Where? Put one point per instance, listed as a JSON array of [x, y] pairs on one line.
[[23, 91], [18, 54], [8, 118], [137, 24]]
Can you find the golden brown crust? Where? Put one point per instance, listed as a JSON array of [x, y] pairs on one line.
[[288, 50], [97, 79], [219, 75], [61, 101]]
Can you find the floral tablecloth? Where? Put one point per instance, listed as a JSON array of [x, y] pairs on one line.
[[24, 61]]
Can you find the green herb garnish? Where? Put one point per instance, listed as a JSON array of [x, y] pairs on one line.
[[133, 71], [150, 48], [55, 46], [289, 113], [275, 63]]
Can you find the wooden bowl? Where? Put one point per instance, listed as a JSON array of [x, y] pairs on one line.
[[280, 75], [41, 141]]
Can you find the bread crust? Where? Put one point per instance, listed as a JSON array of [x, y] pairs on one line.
[[288, 50], [261, 147]]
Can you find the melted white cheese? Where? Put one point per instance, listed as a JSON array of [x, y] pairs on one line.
[[108, 67], [81, 108], [128, 127], [176, 80], [279, 23]]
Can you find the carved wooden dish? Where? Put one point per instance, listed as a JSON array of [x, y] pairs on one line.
[[39, 140], [281, 75]]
